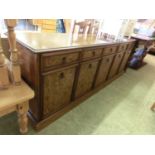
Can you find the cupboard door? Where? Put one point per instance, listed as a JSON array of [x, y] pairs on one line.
[[124, 61], [86, 78], [57, 89], [116, 64], [104, 69]]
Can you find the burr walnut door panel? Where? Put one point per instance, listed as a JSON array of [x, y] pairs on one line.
[[124, 61], [104, 69], [57, 89], [86, 77], [116, 64]]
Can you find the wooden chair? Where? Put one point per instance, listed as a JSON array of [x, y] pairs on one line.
[[4, 75], [94, 27], [16, 98], [15, 93], [83, 27]]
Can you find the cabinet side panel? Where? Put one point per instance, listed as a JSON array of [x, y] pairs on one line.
[[30, 73]]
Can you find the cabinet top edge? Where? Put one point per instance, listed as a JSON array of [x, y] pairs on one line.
[[39, 42]]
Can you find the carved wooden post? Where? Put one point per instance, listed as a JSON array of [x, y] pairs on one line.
[[14, 60], [4, 76]]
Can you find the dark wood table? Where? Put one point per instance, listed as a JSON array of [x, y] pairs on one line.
[[64, 70], [146, 42]]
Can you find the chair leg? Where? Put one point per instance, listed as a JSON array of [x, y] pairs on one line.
[[22, 110], [153, 107]]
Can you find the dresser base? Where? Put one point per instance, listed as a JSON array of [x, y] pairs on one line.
[[40, 125]]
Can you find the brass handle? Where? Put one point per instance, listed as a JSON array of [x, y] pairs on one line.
[[64, 60], [90, 66], [111, 50], [61, 75]]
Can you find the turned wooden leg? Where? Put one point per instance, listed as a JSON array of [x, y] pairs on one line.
[[153, 107], [22, 110], [14, 55]]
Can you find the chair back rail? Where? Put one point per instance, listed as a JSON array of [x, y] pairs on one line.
[[4, 76]]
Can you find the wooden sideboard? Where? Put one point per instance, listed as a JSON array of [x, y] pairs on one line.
[[63, 73]]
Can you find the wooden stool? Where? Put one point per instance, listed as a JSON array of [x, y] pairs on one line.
[[16, 98]]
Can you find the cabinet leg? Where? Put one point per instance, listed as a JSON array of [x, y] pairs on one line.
[[22, 110]]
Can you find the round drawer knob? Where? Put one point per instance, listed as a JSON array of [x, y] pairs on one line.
[[93, 53], [61, 75], [90, 66], [107, 59]]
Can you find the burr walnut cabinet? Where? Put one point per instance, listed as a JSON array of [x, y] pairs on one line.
[[64, 70]]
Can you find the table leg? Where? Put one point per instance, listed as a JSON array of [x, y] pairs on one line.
[[153, 107], [22, 110]]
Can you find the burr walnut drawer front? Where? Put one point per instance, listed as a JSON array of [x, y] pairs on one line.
[[122, 48], [91, 53], [50, 60], [110, 50]]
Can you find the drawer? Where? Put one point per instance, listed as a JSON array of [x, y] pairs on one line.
[[110, 50], [122, 48], [51, 60], [91, 53]]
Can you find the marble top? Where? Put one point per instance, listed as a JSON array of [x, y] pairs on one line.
[[43, 42]]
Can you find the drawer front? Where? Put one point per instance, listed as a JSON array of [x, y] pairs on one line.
[[57, 90], [86, 78], [124, 61], [116, 64], [91, 53], [122, 48], [104, 69], [56, 60], [110, 50]]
